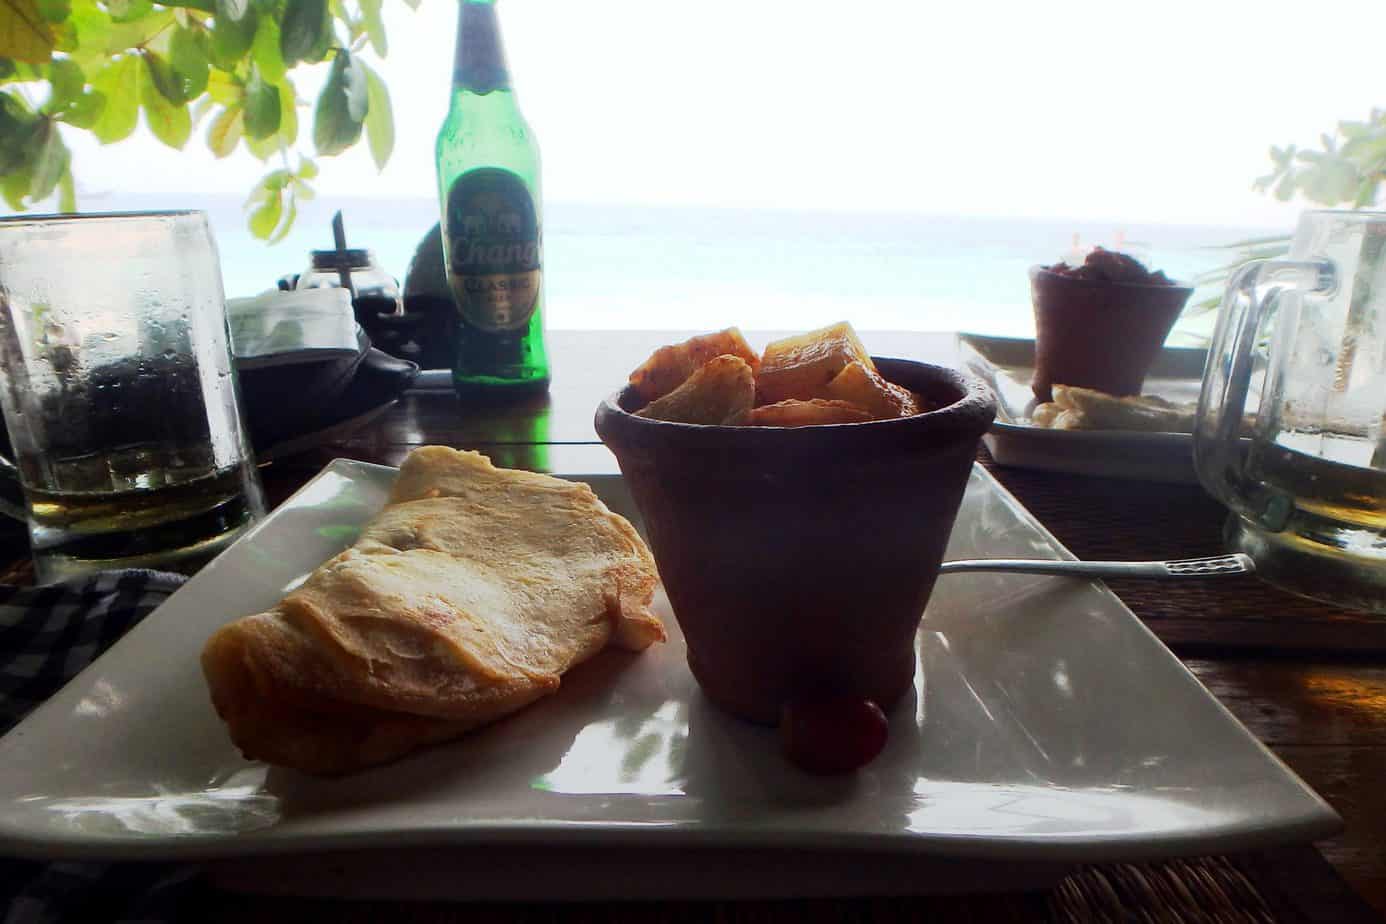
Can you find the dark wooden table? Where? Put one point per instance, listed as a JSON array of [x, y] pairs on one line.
[[1308, 680]]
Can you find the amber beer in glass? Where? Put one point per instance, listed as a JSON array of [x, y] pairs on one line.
[[492, 222]]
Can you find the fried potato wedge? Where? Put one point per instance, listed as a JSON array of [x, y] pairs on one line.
[[720, 391], [670, 366], [802, 366], [863, 386], [812, 413]]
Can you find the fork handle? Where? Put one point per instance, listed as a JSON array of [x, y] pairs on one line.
[[1113, 569]]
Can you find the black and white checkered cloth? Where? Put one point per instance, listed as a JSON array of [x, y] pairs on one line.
[[47, 635]]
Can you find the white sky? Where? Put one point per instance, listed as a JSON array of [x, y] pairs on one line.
[[1158, 112]]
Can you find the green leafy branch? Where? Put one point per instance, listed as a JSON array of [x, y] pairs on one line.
[[1345, 170], [95, 65]]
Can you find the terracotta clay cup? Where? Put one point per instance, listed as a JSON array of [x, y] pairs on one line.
[[1098, 334], [798, 560]]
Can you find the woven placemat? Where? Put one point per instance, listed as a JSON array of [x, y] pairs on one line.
[[1108, 518]]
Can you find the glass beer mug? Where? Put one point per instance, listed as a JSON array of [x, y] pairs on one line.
[[1290, 421]]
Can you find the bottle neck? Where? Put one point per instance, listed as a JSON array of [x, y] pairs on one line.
[[480, 62]]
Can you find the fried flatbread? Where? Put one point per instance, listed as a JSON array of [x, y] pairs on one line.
[[465, 599]]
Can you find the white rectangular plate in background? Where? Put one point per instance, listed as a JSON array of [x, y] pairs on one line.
[[1007, 364]]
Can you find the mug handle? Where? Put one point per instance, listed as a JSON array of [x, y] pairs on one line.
[[1252, 296]]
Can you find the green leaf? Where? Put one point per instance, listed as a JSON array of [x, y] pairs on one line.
[[161, 74], [19, 128], [288, 113], [138, 33], [261, 107], [380, 119], [7, 69], [265, 219], [85, 110], [171, 123], [67, 191], [24, 34], [375, 25], [307, 169], [290, 216], [65, 80], [119, 83], [231, 39], [225, 131], [225, 88], [129, 10], [51, 163], [89, 34], [306, 23], [55, 11], [232, 9], [205, 6], [342, 105], [265, 50], [15, 186], [189, 59], [263, 148]]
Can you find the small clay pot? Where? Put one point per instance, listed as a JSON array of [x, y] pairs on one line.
[[1097, 334], [798, 560]]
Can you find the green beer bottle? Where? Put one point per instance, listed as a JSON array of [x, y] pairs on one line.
[[492, 221]]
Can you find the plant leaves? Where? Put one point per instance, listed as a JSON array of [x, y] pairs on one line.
[[380, 119], [119, 83], [15, 186], [231, 39], [261, 107], [124, 11], [265, 50], [84, 111], [18, 129], [265, 218], [375, 26], [138, 33], [306, 23], [51, 162], [65, 81], [170, 123], [90, 34], [288, 113], [55, 11], [67, 191], [263, 148], [188, 57], [290, 216], [224, 87], [341, 109], [169, 84], [232, 9], [225, 131], [24, 35]]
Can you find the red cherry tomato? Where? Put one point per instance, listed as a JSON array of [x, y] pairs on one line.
[[832, 735]]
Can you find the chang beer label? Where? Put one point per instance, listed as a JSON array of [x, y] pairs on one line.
[[493, 243]]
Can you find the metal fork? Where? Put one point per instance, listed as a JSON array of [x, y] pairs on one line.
[[1216, 566]]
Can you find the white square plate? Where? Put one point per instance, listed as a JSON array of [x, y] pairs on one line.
[[1048, 726], [1008, 364]]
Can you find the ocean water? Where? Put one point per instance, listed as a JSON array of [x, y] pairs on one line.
[[696, 268]]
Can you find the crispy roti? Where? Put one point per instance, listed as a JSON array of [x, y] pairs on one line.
[[465, 599]]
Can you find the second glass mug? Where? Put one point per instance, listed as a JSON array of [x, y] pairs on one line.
[[1290, 421], [119, 394]]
